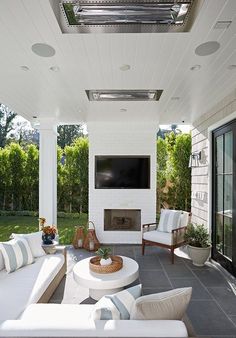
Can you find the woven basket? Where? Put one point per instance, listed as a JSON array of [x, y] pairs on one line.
[[116, 265]]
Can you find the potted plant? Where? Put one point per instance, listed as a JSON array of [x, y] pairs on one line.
[[104, 254], [199, 246]]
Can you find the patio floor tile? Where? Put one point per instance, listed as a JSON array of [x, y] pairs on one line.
[[208, 319], [225, 298], [211, 277], [149, 263], [178, 270], [154, 278], [199, 292]]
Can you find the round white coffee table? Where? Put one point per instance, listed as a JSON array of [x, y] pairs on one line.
[[105, 284]]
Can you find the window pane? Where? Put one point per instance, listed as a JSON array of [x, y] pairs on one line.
[[228, 194], [219, 154], [219, 232], [228, 237], [228, 153], [219, 193]]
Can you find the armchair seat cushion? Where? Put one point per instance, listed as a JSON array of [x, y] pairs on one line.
[[158, 237]]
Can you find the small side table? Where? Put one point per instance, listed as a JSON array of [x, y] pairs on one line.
[[50, 248]]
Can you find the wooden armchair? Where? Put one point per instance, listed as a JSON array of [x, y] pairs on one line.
[[170, 239]]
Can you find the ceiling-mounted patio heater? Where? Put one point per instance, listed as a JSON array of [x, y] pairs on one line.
[[120, 16], [124, 95]]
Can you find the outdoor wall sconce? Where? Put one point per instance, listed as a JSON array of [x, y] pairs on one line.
[[195, 158]]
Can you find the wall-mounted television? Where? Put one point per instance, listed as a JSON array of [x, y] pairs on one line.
[[122, 172]]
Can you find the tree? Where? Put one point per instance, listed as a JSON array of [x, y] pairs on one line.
[[6, 123], [31, 178], [68, 134], [162, 156], [17, 159]]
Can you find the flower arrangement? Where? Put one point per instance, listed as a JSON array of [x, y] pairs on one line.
[[49, 230]]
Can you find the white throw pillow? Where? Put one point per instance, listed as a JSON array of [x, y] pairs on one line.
[[2, 265], [16, 253], [169, 305], [104, 309], [169, 220], [34, 240], [117, 306]]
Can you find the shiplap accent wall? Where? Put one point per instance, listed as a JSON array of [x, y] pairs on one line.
[[201, 176]]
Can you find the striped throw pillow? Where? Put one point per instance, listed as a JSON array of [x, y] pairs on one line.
[[117, 306], [170, 220], [16, 253]]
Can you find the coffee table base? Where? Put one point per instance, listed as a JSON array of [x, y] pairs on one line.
[[97, 294]]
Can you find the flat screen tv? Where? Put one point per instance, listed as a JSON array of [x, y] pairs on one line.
[[122, 172]]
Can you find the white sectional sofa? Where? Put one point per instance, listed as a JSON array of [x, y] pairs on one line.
[[30, 284], [69, 320]]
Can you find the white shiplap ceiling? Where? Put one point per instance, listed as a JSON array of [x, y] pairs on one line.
[[92, 61]]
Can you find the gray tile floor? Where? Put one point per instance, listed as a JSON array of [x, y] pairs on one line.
[[212, 309]]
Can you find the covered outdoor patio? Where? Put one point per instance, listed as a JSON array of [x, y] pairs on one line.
[[123, 83]]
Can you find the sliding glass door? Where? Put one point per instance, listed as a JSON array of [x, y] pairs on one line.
[[224, 196]]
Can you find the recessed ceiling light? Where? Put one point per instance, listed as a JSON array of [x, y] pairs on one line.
[[24, 68], [44, 50], [123, 110], [207, 48], [35, 117], [54, 69], [222, 24], [175, 98], [125, 67], [231, 67], [195, 67]]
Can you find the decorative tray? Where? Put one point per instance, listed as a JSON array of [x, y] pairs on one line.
[[116, 265]]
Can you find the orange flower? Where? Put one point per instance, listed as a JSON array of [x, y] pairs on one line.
[[49, 230]]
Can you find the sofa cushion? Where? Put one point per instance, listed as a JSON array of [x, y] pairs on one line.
[[117, 306], [73, 320], [35, 242], [16, 253], [169, 305], [26, 285], [170, 220], [42, 327]]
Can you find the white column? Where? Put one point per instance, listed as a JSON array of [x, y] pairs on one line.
[[48, 171]]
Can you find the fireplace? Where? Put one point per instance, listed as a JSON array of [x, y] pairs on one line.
[[122, 219]]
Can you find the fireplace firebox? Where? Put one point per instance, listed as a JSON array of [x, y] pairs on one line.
[[122, 219]]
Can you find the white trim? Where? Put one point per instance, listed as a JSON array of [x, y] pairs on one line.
[[210, 131]]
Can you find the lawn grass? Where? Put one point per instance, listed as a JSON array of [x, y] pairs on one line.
[[26, 224]]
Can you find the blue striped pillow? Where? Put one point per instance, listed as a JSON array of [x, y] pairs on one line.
[[117, 306], [16, 253], [125, 299]]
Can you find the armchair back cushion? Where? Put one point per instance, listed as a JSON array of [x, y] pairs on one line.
[[170, 220]]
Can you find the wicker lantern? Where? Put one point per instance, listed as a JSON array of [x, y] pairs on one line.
[[78, 237], [91, 242]]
